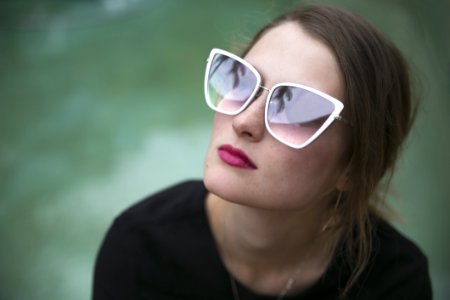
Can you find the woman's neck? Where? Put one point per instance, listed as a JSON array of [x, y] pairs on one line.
[[257, 244]]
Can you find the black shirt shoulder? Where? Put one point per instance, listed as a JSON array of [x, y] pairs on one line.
[[172, 204], [398, 269], [160, 248]]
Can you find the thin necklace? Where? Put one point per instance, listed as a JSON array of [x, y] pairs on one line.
[[286, 288], [290, 281]]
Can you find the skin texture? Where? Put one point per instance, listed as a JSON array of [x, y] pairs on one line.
[[266, 220]]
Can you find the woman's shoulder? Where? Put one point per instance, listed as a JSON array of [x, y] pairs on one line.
[[173, 204], [399, 268], [393, 247], [160, 246]]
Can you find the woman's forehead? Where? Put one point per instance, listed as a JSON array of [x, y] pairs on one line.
[[287, 53]]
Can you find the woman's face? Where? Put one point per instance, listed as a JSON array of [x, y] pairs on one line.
[[279, 177]]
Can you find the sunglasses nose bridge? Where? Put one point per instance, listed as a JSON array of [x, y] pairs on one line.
[[260, 90], [250, 123]]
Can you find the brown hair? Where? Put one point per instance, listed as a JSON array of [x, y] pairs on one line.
[[379, 104]]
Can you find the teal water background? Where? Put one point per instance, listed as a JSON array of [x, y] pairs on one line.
[[101, 103]]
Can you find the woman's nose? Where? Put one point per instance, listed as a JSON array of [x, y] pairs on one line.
[[249, 124]]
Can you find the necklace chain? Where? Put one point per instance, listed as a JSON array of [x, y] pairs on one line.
[[286, 288], [290, 281]]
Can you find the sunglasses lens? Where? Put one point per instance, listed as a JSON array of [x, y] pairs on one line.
[[229, 84], [295, 114]]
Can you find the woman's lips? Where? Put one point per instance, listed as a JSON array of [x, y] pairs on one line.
[[235, 157]]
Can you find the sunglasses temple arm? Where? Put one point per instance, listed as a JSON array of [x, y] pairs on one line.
[[339, 118]]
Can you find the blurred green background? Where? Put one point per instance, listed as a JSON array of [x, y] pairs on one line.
[[101, 103]]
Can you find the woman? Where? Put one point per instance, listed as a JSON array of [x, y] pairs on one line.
[[307, 125]]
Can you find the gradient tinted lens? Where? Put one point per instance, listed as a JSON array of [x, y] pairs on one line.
[[295, 114], [230, 84]]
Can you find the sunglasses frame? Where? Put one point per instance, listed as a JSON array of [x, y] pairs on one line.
[[335, 115]]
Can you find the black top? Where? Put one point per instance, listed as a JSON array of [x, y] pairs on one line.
[[163, 248]]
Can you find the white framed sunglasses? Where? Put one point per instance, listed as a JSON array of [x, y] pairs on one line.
[[295, 114]]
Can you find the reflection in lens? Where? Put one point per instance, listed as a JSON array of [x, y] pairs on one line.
[[230, 83], [295, 114]]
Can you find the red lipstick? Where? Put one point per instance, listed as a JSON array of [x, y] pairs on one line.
[[235, 157]]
